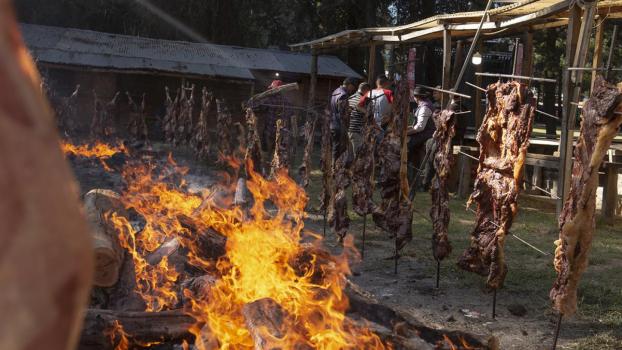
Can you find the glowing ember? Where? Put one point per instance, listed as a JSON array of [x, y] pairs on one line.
[[264, 262]]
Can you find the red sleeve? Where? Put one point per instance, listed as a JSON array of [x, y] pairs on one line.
[[389, 95], [362, 101]]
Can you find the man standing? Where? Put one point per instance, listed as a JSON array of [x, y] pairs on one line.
[[421, 130], [338, 108], [357, 117], [381, 99]]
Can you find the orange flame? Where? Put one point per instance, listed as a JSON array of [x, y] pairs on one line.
[[99, 150], [263, 260], [115, 332]]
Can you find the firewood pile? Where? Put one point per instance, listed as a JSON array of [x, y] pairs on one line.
[[176, 269]]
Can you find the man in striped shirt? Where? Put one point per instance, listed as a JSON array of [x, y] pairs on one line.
[[357, 117]]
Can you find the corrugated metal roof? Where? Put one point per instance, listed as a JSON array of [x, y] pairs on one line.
[[113, 51]]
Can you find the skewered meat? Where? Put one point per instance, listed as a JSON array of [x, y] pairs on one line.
[[439, 213], [253, 143], [137, 126], [576, 221], [394, 215], [169, 124], [326, 162], [223, 127], [387, 214], [102, 125], [280, 159], [363, 168], [503, 138], [184, 119], [64, 108], [340, 221], [305, 167], [200, 140]]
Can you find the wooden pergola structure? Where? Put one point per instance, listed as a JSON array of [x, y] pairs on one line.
[[521, 18]]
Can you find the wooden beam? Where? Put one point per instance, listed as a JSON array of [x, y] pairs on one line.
[[457, 60], [446, 80], [528, 53], [477, 104], [372, 63], [576, 50], [312, 82], [597, 58]]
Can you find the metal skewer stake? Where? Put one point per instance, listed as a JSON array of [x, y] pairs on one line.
[[324, 232], [438, 273], [476, 87], [558, 327], [518, 77], [448, 92], [494, 303], [364, 228]]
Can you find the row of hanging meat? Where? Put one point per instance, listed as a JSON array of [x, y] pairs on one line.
[[503, 138], [105, 123]]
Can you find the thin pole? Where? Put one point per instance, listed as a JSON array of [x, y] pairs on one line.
[[364, 229], [438, 273], [324, 221], [611, 45], [395, 257], [557, 329], [473, 45], [494, 303]]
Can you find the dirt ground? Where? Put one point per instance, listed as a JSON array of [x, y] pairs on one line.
[[524, 319]]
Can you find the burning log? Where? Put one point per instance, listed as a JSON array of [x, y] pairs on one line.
[[210, 244], [142, 328], [108, 253], [404, 325], [137, 125], [269, 324], [46, 270]]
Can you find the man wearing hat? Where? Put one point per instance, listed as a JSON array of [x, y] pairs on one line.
[[421, 130], [338, 109]]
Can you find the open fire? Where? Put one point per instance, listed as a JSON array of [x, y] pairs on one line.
[[262, 264]]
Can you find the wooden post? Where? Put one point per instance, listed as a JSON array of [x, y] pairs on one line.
[[477, 103], [457, 60], [597, 59], [372, 63], [446, 65], [464, 184], [528, 53], [610, 191], [577, 41], [312, 82]]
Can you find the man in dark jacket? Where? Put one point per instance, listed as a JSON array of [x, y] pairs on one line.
[[338, 110], [421, 130]]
